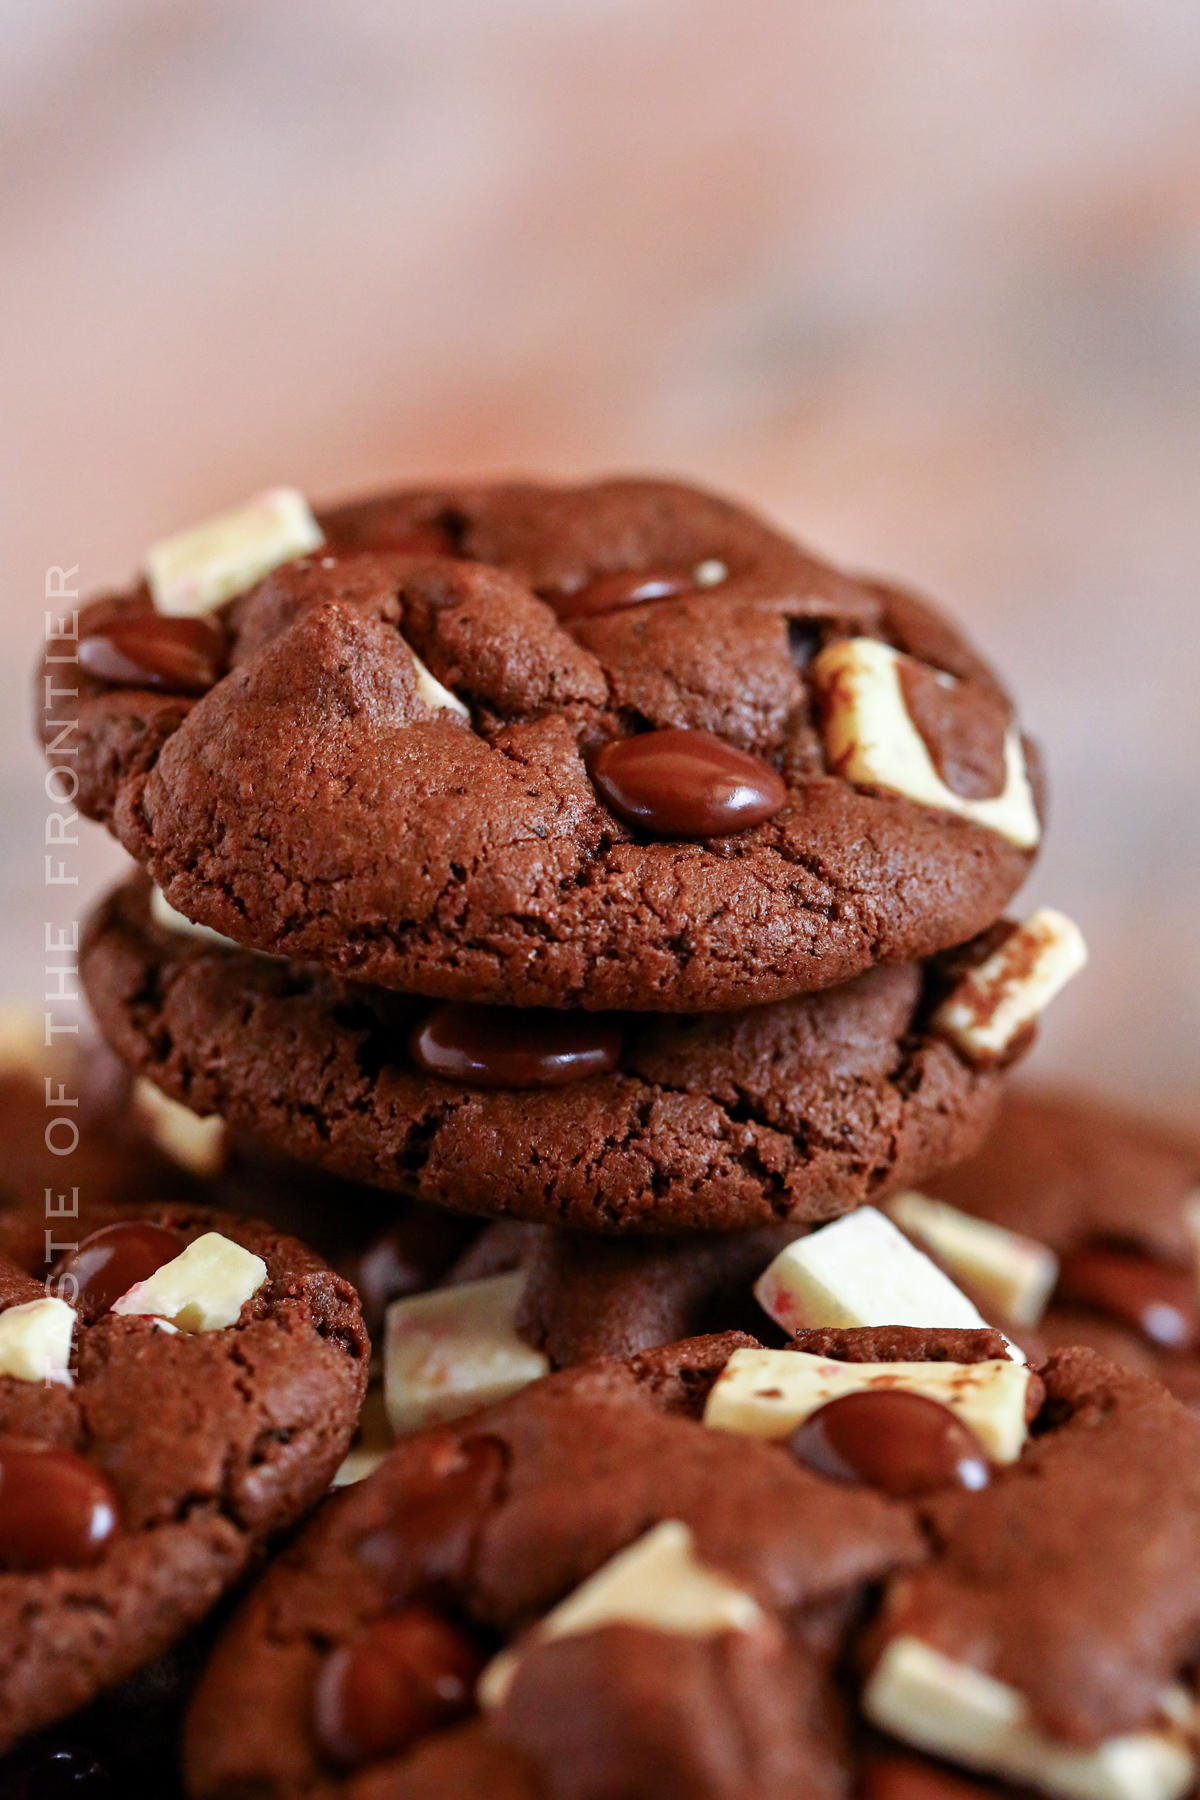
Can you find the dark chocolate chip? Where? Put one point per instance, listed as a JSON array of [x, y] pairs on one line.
[[903, 1444], [179, 656], [963, 726], [430, 1534], [107, 1263], [1152, 1297], [57, 1511], [686, 784], [408, 1673], [502, 1047], [619, 589]]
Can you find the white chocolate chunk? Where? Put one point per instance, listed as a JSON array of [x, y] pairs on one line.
[[767, 1393], [192, 1142], [860, 1271], [1013, 1275], [450, 1351], [996, 1001], [35, 1341], [164, 915], [433, 693], [657, 1582], [950, 1709], [197, 570], [870, 739], [202, 1289]]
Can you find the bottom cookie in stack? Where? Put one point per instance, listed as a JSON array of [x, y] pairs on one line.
[[632, 1123]]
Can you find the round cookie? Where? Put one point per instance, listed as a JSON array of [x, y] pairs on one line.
[[191, 1448], [1109, 1193], [797, 1111], [489, 1525], [531, 826]]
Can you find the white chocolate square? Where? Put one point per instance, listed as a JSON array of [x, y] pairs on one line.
[[860, 1271], [657, 1582], [192, 1142], [199, 569], [996, 1001], [949, 1709], [450, 1351], [35, 1340], [202, 1289], [870, 740], [433, 693], [1013, 1275], [767, 1393]]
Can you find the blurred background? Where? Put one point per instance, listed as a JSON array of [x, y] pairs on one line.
[[921, 279]]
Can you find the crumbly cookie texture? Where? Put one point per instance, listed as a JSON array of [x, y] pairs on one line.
[[327, 798], [794, 1111], [211, 1443]]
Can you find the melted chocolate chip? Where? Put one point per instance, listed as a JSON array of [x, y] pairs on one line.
[[406, 1674], [179, 656], [57, 1511], [107, 1263], [903, 1444], [1152, 1297], [494, 1047], [963, 727], [431, 1531], [686, 784], [619, 589], [906, 1778]]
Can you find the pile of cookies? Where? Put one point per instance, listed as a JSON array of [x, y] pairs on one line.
[[567, 952]]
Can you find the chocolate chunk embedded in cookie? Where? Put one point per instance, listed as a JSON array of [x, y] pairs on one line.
[[561, 746], [797, 1111]]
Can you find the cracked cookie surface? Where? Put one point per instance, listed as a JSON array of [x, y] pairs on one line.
[[795, 1111], [212, 1442], [316, 803]]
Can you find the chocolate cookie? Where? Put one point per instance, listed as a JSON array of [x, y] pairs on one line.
[[633, 749], [796, 1111], [467, 1537], [1113, 1196], [182, 1388]]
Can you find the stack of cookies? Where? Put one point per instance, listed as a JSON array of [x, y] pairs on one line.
[[613, 893]]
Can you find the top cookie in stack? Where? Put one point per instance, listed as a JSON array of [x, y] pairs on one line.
[[619, 748]]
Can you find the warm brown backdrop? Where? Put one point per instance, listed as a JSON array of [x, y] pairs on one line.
[[921, 277]]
